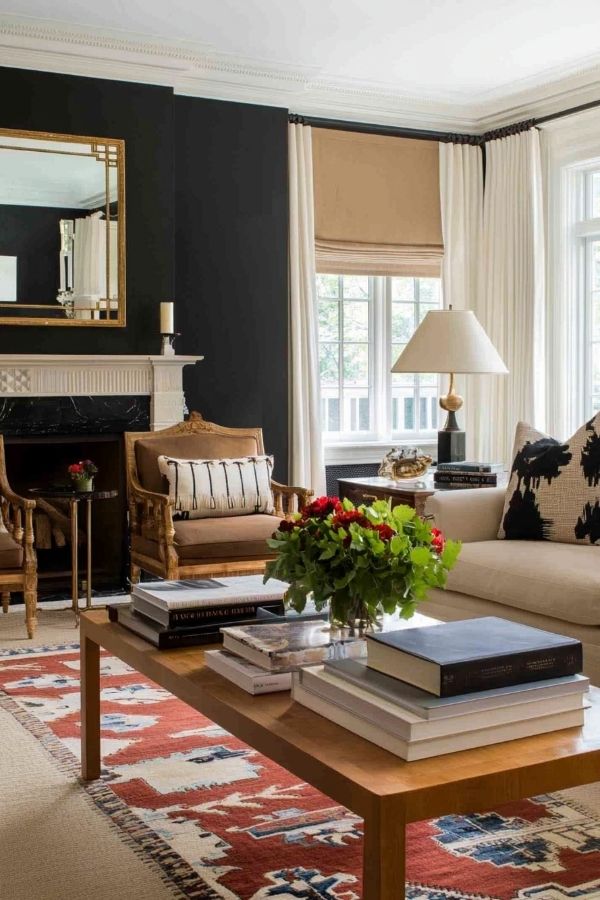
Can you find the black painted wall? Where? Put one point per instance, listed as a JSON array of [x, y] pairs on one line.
[[32, 234], [207, 198], [143, 116], [231, 205]]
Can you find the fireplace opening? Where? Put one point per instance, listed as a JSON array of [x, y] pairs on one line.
[[41, 461]]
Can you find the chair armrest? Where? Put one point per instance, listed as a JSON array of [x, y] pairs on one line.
[[289, 499], [141, 495], [469, 515]]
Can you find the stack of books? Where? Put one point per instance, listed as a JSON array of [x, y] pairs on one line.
[[261, 657], [466, 475], [173, 614], [427, 691]]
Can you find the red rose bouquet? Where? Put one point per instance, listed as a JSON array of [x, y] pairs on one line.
[[82, 473], [361, 560]]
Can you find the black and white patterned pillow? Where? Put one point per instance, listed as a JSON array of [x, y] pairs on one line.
[[554, 489], [203, 488]]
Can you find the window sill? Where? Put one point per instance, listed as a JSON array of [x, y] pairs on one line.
[[371, 451]]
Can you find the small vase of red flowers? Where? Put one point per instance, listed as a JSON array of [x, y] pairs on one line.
[[82, 474], [360, 560]]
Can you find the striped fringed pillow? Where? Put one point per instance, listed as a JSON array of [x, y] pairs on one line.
[[200, 488]]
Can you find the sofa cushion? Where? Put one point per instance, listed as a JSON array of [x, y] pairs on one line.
[[557, 580], [188, 446], [228, 538], [213, 488], [11, 553], [554, 488]]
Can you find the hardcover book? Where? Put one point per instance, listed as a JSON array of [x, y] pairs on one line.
[[218, 615], [469, 467], [171, 638], [289, 645], [413, 750], [468, 477], [210, 594], [245, 674], [411, 727], [428, 706], [473, 655]]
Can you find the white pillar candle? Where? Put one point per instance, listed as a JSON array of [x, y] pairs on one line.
[[167, 325]]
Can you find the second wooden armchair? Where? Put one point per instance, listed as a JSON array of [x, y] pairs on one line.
[[175, 549]]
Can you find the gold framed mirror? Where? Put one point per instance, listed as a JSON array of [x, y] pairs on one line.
[[62, 229]]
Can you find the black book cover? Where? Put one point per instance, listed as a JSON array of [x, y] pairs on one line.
[[468, 477], [213, 615], [485, 653]]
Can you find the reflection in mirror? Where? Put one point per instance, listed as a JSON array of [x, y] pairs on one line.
[[62, 221]]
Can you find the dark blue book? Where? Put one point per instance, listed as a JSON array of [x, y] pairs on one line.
[[473, 655]]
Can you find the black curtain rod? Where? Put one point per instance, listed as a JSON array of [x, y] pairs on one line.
[[443, 136], [385, 130]]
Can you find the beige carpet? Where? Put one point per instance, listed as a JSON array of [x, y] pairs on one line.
[[54, 844]]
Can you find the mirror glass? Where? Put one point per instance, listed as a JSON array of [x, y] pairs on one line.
[[62, 230]]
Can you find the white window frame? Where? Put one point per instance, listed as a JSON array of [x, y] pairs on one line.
[[584, 229], [370, 446]]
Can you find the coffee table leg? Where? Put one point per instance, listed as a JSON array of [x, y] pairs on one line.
[[88, 601], [90, 708], [383, 855]]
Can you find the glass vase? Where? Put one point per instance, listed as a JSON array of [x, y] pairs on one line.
[[351, 617]]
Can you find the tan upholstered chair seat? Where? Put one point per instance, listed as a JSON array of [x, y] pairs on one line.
[[238, 537], [558, 580], [11, 553]]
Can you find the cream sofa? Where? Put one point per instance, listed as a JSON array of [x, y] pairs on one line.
[[548, 585]]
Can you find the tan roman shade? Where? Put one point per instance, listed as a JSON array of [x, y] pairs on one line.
[[377, 204]]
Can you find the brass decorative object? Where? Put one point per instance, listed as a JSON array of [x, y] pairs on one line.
[[404, 462], [451, 403]]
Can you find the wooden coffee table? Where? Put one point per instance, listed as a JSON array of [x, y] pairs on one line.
[[385, 791]]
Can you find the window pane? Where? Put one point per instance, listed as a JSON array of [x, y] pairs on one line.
[[356, 365], [329, 364], [595, 368], [328, 286], [429, 290], [356, 286], [596, 195], [595, 265], [403, 322], [428, 380], [596, 315], [403, 288], [356, 320], [329, 320]]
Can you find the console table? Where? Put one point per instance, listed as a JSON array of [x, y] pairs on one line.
[[384, 790]]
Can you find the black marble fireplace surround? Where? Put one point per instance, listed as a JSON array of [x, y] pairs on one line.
[[42, 436]]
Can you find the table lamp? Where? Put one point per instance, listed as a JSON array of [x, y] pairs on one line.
[[453, 341]]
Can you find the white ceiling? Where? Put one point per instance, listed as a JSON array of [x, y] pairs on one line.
[[467, 55]]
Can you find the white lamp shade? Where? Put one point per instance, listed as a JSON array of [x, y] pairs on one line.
[[450, 340]]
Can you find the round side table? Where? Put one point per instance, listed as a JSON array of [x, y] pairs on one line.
[[75, 498]]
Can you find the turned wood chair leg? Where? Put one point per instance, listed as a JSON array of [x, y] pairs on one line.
[[135, 573], [5, 601], [30, 612]]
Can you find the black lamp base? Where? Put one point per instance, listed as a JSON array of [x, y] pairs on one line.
[[451, 446]]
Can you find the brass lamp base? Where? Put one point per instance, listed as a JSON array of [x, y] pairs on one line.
[[451, 440]]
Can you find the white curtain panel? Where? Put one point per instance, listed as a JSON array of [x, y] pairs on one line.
[[89, 264], [306, 452], [511, 300], [461, 198]]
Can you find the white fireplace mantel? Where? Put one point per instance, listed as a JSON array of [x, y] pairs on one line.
[[48, 375]]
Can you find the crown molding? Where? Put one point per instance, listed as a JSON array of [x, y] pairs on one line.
[[195, 69]]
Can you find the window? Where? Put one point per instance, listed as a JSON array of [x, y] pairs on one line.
[[364, 322], [586, 203]]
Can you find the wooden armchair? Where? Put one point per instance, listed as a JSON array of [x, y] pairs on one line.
[[18, 563], [195, 548]]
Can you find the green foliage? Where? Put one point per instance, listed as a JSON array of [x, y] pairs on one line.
[[362, 560]]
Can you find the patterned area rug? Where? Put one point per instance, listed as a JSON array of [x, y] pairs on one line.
[[224, 822]]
